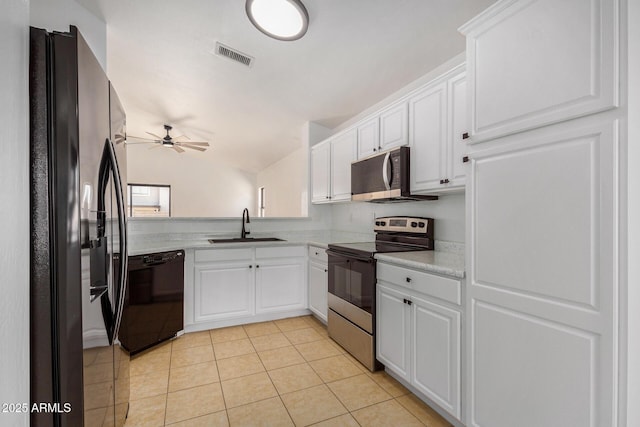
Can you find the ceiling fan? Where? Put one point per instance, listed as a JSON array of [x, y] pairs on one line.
[[169, 141]]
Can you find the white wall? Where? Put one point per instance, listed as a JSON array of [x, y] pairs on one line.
[[14, 175], [285, 183], [58, 15], [199, 187], [448, 212]]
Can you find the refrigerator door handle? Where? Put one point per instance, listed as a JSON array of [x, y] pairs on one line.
[[109, 164], [122, 240]]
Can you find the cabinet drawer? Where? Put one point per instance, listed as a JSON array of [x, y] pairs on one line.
[[280, 252], [428, 284], [206, 255], [318, 254]]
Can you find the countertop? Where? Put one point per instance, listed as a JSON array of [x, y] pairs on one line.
[[440, 262], [146, 244], [447, 259]]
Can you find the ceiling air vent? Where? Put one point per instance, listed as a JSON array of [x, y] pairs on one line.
[[234, 55]]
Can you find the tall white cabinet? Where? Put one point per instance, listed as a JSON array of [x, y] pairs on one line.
[[536, 62], [542, 215]]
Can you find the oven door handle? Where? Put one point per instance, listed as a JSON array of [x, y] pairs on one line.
[[331, 252]]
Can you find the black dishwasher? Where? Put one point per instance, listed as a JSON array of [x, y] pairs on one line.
[[154, 300]]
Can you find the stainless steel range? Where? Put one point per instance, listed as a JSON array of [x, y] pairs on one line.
[[352, 282]]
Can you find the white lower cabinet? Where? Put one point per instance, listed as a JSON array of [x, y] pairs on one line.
[[435, 353], [247, 283], [318, 282], [279, 285], [393, 348], [223, 291], [417, 337]]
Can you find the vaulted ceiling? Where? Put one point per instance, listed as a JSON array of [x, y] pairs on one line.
[[355, 53]]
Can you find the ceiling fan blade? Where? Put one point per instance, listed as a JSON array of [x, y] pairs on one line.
[[140, 142], [178, 149], [154, 135], [201, 144], [144, 139], [119, 138], [192, 147]]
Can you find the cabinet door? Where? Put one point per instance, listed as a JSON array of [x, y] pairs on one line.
[[318, 283], [436, 353], [427, 137], [280, 285], [368, 137], [456, 146], [343, 152], [524, 75], [393, 127], [320, 157], [393, 331], [543, 289], [223, 291]]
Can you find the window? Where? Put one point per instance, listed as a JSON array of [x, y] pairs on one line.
[[149, 200], [261, 202]]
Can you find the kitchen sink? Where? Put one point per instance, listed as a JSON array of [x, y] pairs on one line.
[[246, 239]]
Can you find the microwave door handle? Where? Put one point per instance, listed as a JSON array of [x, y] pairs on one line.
[[385, 171]]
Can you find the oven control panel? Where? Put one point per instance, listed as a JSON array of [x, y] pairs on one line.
[[404, 224]]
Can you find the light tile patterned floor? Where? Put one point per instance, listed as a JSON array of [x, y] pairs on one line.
[[282, 373]]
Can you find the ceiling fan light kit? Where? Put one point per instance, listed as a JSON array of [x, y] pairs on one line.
[[280, 19]]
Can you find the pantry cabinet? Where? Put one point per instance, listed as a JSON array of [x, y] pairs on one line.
[[418, 323], [543, 292], [537, 62]]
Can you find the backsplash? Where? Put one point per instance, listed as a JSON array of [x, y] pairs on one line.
[[355, 218], [448, 212]]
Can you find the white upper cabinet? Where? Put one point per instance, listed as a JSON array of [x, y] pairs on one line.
[[536, 62], [393, 127], [431, 120], [320, 164], [437, 122], [458, 126], [368, 137], [428, 137], [343, 152]]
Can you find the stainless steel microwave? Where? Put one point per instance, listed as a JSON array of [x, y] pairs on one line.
[[384, 178]]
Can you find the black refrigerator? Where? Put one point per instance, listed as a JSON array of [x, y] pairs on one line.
[[78, 236]]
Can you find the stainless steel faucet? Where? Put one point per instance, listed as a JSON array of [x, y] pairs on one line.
[[245, 220]]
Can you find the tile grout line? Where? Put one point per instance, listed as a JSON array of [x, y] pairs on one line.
[[215, 358], [166, 400], [321, 330]]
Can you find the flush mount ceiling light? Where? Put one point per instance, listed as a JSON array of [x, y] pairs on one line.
[[280, 19]]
